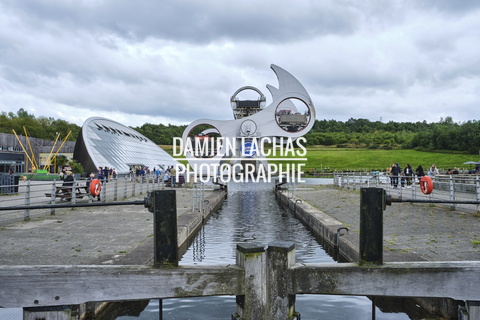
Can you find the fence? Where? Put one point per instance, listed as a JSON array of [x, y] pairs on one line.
[[8, 183], [31, 193], [446, 187]]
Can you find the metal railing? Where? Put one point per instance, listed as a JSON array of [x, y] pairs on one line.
[[34, 193], [198, 196], [446, 187]]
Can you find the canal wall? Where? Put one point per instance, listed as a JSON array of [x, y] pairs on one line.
[[346, 247], [189, 222], [336, 242]]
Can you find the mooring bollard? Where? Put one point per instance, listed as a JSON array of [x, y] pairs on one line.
[[372, 204], [164, 208]]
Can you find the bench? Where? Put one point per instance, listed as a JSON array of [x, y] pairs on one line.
[[64, 192], [178, 183]]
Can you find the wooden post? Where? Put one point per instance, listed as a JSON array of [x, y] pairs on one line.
[[372, 204], [252, 304], [473, 309], [281, 304], [165, 228], [47, 313]]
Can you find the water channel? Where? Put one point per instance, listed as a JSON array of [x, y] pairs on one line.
[[251, 214]]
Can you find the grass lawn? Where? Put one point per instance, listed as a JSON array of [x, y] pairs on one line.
[[341, 159]]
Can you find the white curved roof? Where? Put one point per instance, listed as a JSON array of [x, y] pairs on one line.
[[111, 144]]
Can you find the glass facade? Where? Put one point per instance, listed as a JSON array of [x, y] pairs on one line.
[[15, 161], [106, 143]]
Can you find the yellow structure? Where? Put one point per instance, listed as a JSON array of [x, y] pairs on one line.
[[31, 157]]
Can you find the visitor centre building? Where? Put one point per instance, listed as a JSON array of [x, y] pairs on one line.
[[106, 143]]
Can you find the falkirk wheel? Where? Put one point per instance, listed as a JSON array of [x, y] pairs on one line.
[[211, 146]]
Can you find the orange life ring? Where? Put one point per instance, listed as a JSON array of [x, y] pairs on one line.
[[95, 187], [426, 185]]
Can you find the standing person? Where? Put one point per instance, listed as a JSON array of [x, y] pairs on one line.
[[395, 172], [100, 174], [389, 172], [158, 172], [419, 172], [173, 174], [408, 173], [106, 173], [433, 171]]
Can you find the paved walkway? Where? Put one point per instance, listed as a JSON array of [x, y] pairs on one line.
[[100, 235], [123, 234], [419, 231]]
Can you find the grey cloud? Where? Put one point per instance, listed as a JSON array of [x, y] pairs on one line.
[[193, 21], [448, 6], [182, 60]]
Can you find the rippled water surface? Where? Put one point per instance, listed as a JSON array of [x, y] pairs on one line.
[[251, 214]]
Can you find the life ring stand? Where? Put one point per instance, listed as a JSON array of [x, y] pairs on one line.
[[95, 187], [426, 185]]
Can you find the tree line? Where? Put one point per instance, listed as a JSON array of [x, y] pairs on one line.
[[41, 127], [445, 135]]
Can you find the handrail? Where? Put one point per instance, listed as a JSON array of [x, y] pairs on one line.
[[453, 190], [29, 194]]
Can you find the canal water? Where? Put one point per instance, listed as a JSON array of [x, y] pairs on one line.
[[251, 214]]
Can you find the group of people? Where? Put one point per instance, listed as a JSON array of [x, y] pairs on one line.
[[406, 175], [141, 171], [168, 176], [104, 173]]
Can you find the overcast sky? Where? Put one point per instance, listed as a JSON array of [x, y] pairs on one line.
[[177, 61]]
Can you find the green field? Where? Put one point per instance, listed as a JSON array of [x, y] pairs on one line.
[[342, 159], [367, 159]]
